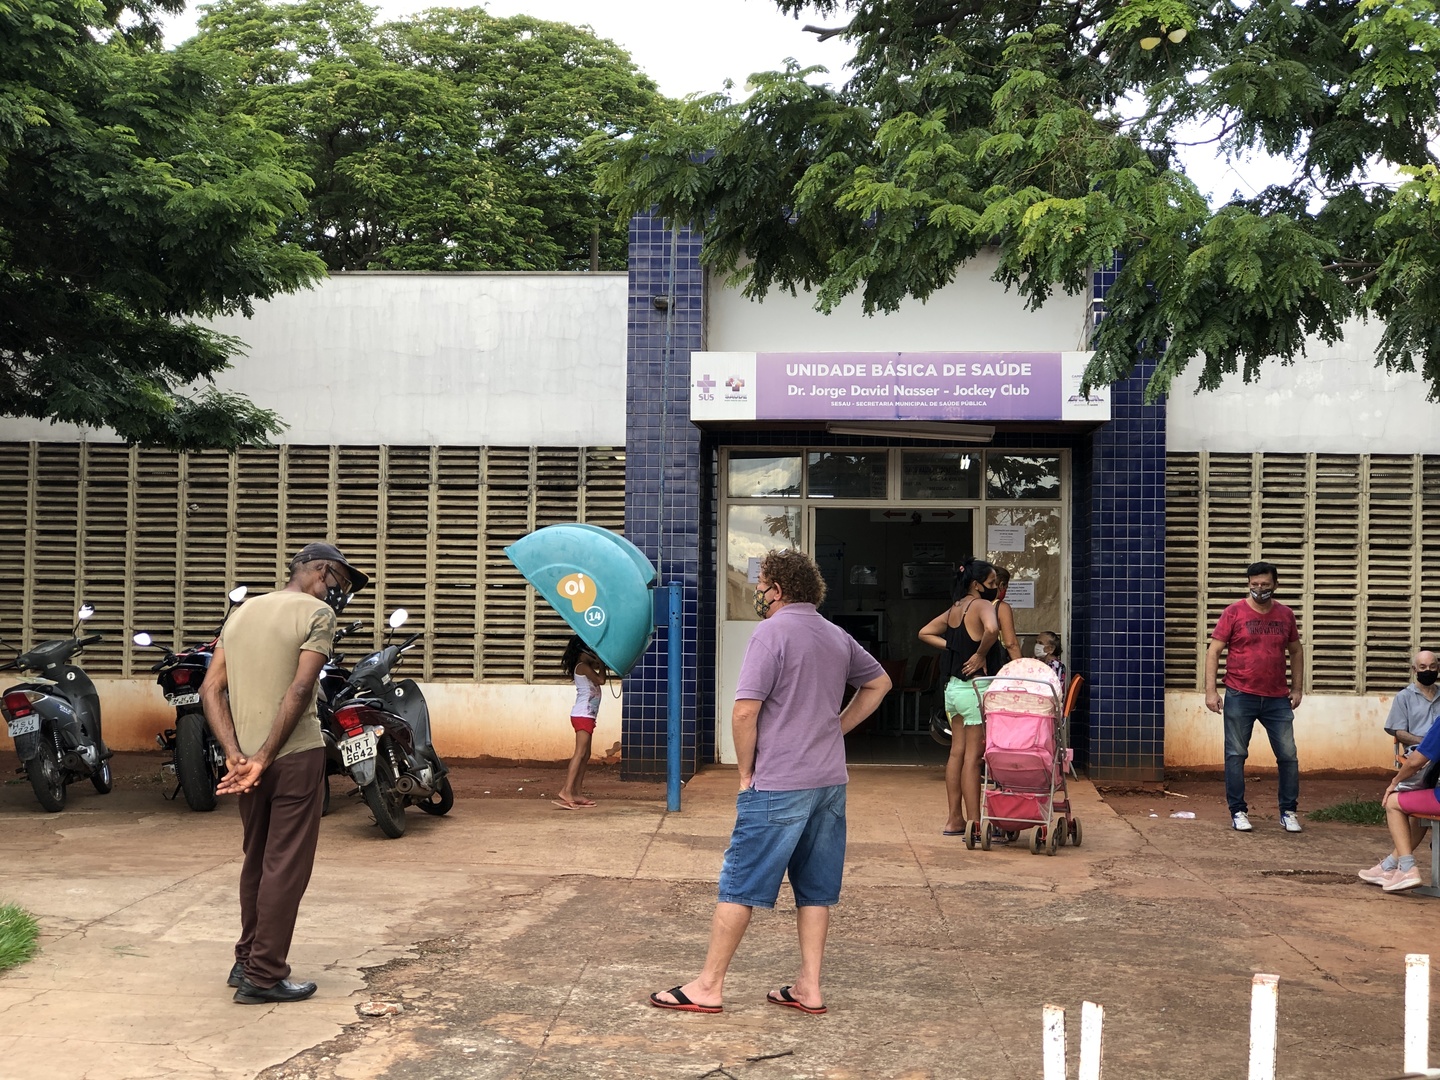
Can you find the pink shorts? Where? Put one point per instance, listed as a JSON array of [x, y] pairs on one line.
[[583, 723], [1422, 801]]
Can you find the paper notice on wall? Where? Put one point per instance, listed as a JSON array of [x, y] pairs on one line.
[[1005, 537], [1021, 594], [752, 570]]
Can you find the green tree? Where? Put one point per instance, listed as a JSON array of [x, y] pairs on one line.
[[129, 208], [1052, 131], [446, 142]]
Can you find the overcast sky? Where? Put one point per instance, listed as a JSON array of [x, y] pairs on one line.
[[689, 47]]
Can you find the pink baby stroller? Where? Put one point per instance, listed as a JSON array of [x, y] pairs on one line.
[[1026, 757]]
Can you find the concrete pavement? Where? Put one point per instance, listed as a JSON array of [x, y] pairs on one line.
[[522, 940]]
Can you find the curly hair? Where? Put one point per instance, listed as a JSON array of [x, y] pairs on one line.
[[796, 574]]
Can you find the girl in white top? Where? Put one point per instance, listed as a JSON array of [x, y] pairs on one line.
[[588, 671]]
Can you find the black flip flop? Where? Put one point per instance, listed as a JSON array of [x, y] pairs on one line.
[[681, 1002], [791, 1003]]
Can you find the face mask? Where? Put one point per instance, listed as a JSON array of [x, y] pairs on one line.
[[989, 594], [1426, 678], [1261, 596], [1040, 653], [762, 602], [337, 598]]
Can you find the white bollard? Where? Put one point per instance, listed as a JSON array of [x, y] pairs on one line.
[[1264, 1005], [1417, 1013], [1092, 1019], [1054, 1042]]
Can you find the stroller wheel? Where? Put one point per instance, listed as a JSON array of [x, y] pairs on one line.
[[1062, 832], [972, 832], [1052, 838], [1037, 839], [986, 832], [1075, 832]]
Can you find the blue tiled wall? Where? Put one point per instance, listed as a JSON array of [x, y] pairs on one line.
[[672, 502], [666, 511], [1119, 551]]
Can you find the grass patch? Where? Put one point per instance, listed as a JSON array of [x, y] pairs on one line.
[[1353, 811], [18, 931]]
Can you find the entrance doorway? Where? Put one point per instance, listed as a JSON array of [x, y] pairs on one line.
[[888, 526], [888, 571]]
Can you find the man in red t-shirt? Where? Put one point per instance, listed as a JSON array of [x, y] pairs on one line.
[[1259, 634]]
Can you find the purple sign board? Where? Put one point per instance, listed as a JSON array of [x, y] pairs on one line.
[[833, 387]]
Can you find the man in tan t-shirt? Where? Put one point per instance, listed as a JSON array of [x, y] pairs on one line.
[[269, 661]]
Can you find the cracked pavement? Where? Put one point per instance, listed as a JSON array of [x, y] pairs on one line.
[[522, 940]]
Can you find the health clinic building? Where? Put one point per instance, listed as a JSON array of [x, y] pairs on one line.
[[460, 411]]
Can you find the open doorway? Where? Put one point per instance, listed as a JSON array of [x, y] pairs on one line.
[[888, 571]]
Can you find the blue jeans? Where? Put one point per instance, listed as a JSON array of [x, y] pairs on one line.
[[801, 833], [1241, 712]]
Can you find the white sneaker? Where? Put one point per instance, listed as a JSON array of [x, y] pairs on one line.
[[1239, 822], [1376, 875], [1399, 880], [1289, 822]]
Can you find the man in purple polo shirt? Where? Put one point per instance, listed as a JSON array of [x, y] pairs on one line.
[[790, 745]]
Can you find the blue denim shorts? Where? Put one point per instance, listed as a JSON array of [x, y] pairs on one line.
[[801, 833]]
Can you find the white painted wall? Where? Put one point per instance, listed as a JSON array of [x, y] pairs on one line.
[[972, 313], [503, 721], [1334, 401], [515, 359], [1332, 731]]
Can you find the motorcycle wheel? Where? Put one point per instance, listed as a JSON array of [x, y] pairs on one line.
[[325, 806], [191, 762], [441, 802], [102, 778], [387, 804], [47, 777]]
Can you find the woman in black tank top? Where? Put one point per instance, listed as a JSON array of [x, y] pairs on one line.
[[965, 630]]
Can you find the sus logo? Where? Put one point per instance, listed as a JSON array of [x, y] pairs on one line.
[[579, 590]]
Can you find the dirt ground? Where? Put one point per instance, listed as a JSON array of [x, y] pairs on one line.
[[470, 779], [1203, 791], [520, 940]]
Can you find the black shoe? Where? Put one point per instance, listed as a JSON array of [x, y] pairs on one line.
[[237, 974], [249, 994]]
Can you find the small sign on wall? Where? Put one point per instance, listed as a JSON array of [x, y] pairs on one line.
[[1020, 594], [1005, 537]]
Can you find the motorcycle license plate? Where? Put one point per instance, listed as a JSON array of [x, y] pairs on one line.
[[357, 749], [26, 725], [183, 699]]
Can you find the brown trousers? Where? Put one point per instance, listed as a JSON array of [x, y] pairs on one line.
[[281, 819]]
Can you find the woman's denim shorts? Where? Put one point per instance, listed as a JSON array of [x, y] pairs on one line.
[[801, 833]]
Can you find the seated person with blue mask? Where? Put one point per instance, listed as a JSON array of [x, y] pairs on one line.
[[1412, 714]]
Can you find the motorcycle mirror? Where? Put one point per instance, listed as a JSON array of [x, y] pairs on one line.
[[237, 594], [85, 612], [143, 639], [398, 617]]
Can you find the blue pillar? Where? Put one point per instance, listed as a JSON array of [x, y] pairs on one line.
[[663, 477], [1120, 565]]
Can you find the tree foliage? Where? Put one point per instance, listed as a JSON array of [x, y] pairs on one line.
[[445, 142], [128, 208], [1052, 131]]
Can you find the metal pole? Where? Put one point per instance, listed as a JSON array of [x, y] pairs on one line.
[[1417, 1012], [1092, 1037], [672, 726], [1053, 1044], [1264, 1007]]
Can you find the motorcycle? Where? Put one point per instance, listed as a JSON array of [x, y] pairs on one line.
[[386, 745], [54, 719], [334, 678], [196, 757]]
